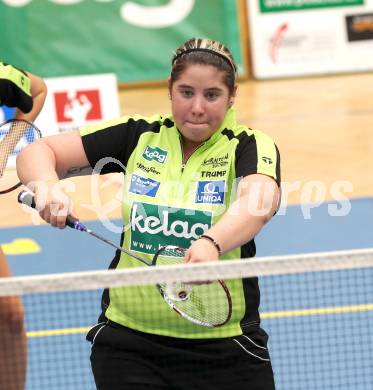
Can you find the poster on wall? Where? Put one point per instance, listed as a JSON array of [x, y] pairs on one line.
[[310, 37], [77, 101], [74, 102]]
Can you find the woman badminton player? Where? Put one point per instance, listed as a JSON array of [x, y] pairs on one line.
[[139, 342]]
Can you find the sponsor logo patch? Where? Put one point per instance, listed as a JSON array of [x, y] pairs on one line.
[[155, 154], [143, 186], [154, 226], [147, 169], [210, 192], [207, 174], [216, 162], [267, 160]]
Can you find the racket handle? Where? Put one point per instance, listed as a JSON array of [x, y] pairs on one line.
[[28, 199]]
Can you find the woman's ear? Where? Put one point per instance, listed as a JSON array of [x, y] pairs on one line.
[[233, 96]]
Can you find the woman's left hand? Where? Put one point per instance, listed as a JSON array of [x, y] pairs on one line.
[[201, 251]]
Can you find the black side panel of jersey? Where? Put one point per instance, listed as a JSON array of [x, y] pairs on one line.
[[250, 289], [116, 142], [252, 300]]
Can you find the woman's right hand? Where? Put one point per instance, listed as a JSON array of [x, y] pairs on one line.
[[52, 202]]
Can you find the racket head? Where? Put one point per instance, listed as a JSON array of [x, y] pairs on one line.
[[15, 135], [207, 304]]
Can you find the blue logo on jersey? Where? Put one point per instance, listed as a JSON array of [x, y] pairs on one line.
[[143, 186], [210, 192]]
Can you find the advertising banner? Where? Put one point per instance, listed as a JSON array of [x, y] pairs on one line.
[[310, 37], [74, 102], [77, 101], [133, 39]]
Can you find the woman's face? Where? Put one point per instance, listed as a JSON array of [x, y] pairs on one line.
[[199, 101]]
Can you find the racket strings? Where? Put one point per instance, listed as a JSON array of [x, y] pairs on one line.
[[203, 303], [11, 134], [14, 136], [207, 303], [170, 256]]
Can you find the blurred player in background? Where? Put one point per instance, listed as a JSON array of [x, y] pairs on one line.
[[27, 93], [24, 91]]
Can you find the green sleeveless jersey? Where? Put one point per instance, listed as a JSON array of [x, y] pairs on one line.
[[167, 202]]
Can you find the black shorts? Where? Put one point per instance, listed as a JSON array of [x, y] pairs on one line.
[[123, 358]]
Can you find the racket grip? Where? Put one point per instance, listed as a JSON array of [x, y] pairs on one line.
[[28, 199]]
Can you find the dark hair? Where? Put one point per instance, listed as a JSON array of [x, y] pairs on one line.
[[205, 52]]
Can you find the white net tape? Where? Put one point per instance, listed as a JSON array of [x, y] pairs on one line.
[[243, 268]]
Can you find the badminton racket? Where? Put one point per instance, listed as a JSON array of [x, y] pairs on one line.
[[207, 304]]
